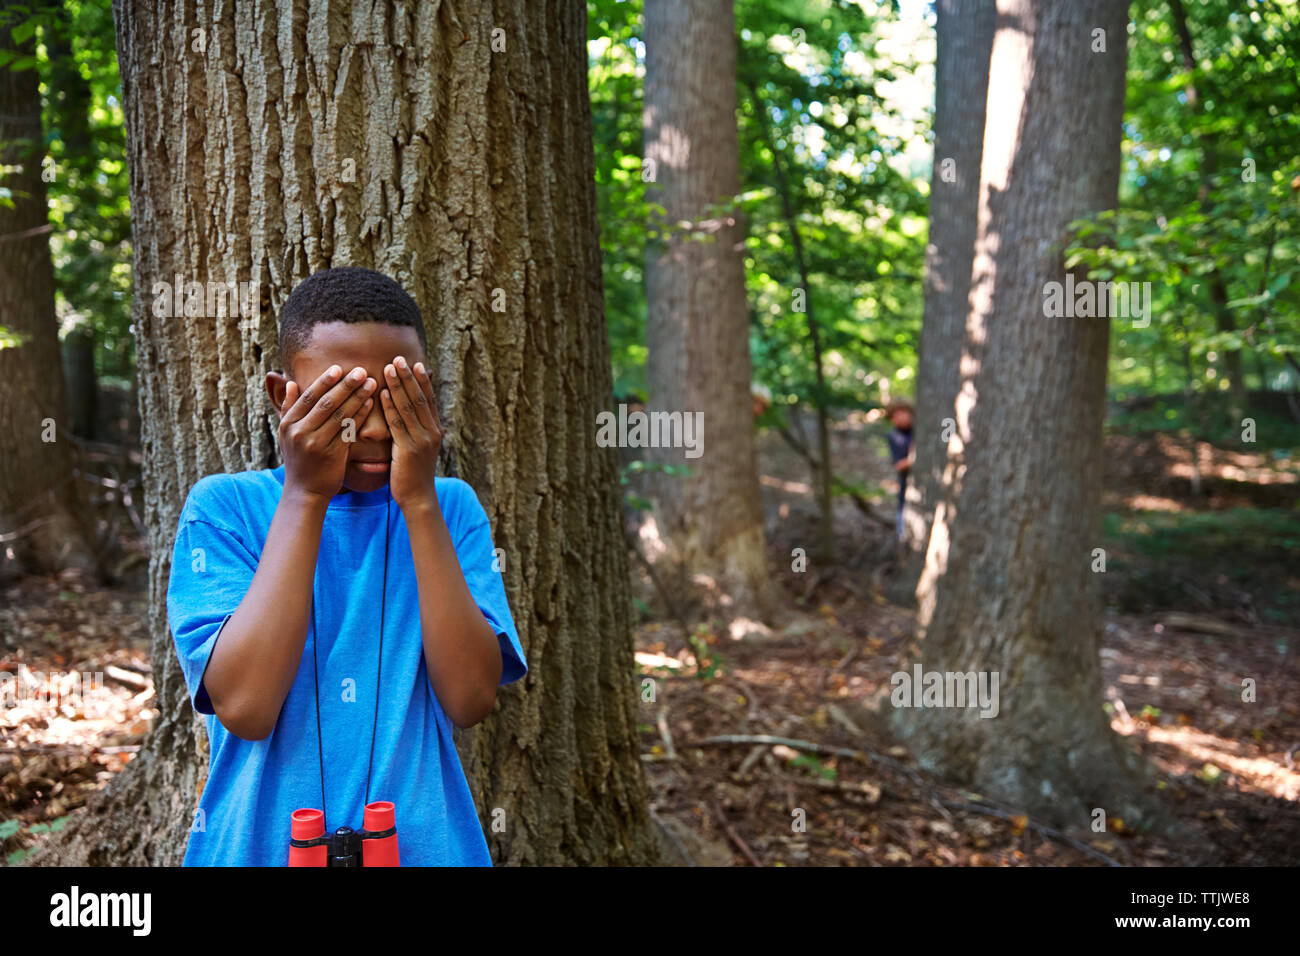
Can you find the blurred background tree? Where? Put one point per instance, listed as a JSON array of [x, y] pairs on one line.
[[89, 207]]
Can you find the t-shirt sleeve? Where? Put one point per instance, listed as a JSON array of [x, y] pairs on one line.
[[482, 567], [212, 569]]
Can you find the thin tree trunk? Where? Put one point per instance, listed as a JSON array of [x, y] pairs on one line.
[[824, 472], [72, 105], [1223, 318], [83, 383], [697, 324], [964, 42], [1007, 587], [44, 523], [1191, 410], [413, 139]]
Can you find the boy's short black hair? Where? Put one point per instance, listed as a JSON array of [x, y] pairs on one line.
[[344, 294]]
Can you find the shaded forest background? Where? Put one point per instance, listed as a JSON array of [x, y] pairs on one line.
[[835, 112], [838, 125]]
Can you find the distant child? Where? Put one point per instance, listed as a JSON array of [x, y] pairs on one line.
[[337, 616], [901, 452]]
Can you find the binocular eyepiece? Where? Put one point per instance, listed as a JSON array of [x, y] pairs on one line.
[[374, 845]]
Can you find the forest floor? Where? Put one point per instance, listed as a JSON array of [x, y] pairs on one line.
[[1201, 584], [1199, 595]]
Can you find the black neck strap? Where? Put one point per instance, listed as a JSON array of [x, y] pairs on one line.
[[383, 601]]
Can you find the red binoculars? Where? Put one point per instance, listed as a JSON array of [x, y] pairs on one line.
[[375, 845]]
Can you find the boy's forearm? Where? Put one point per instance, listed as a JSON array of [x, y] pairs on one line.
[[460, 649], [254, 661]]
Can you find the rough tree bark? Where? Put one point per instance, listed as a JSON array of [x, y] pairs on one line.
[[1007, 586], [450, 148], [43, 520], [964, 30], [697, 323]]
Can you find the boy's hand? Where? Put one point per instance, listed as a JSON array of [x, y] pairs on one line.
[[311, 423], [417, 433]]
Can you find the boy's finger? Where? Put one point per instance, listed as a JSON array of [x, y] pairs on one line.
[[355, 406], [426, 385], [327, 409], [398, 398], [290, 396], [421, 400], [394, 418], [312, 393], [410, 398]]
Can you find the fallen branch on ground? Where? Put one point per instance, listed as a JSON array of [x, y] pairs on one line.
[[815, 463], [863, 756], [866, 756], [1031, 825], [734, 836]]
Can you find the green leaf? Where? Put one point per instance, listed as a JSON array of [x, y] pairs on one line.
[[24, 31]]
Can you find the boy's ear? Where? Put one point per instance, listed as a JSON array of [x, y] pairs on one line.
[[276, 383]]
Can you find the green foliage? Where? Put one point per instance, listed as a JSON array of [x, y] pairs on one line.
[[615, 72], [1154, 533], [1277, 432], [639, 467], [1209, 199], [831, 141], [83, 163], [13, 827], [854, 175], [88, 196], [820, 128], [1209, 774], [710, 663], [814, 765], [1202, 558], [21, 21]]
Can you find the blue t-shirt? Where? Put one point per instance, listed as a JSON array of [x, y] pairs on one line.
[[254, 785], [900, 444]]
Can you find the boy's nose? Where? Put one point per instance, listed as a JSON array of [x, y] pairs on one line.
[[375, 427]]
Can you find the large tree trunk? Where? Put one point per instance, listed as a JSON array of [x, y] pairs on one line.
[[697, 322], [411, 139], [965, 39], [1007, 586], [43, 521]]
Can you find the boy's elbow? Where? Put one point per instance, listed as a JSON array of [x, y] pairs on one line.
[[242, 721], [469, 713], [251, 731]]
